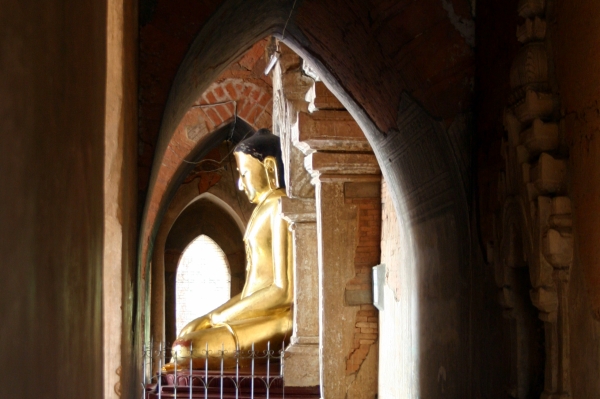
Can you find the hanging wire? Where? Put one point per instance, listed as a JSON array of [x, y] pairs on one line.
[[288, 20], [277, 53], [229, 139], [235, 102], [230, 149]]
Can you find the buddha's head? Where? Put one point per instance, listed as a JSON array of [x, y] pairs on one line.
[[260, 165]]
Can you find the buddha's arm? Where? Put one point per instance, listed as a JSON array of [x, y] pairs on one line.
[[204, 322], [268, 299]]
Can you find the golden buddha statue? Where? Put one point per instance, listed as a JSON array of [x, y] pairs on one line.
[[261, 313]]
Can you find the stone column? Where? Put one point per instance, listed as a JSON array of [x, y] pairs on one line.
[[302, 355], [333, 303], [290, 86], [337, 224]]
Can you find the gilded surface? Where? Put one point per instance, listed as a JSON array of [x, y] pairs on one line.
[[261, 313]]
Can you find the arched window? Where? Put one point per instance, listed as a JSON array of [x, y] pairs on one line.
[[203, 280]]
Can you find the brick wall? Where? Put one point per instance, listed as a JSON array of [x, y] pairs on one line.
[[230, 96], [367, 255], [242, 90]]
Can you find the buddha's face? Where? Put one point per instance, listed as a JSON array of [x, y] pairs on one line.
[[254, 180]]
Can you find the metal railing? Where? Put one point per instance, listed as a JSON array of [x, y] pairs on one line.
[[257, 380]]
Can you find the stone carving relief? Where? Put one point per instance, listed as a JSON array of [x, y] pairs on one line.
[[534, 224], [290, 92]]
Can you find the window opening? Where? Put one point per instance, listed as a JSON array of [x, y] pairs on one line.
[[203, 280]]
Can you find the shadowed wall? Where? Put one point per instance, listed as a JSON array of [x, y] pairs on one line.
[[52, 92]]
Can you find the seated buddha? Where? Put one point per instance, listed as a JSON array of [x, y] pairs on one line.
[[261, 313]]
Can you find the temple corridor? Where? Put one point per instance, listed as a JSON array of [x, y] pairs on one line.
[[433, 208]]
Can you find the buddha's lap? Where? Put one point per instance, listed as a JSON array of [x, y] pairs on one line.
[[258, 331]]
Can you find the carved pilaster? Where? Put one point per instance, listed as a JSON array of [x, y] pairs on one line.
[[291, 90], [323, 145], [534, 224], [302, 355], [290, 98], [337, 226]]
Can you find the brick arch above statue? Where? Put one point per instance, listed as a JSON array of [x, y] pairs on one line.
[[210, 158], [404, 71], [216, 182], [218, 187], [368, 56], [233, 106], [210, 217]]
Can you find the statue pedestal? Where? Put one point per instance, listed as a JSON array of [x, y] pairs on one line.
[[197, 379]]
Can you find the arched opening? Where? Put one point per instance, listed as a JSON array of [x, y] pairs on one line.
[[203, 280], [431, 213], [52, 203], [202, 217], [418, 140], [205, 181]]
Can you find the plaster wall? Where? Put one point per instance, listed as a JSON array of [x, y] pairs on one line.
[[120, 217], [396, 366], [52, 115]]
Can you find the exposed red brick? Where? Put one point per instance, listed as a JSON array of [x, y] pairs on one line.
[[213, 116], [238, 89], [253, 114], [233, 85], [223, 112], [210, 98], [244, 111], [264, 100], [231, 90], [219, 93], [247, 90], [251, 57]]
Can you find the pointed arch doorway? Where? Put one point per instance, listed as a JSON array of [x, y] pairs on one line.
[[203, 280]]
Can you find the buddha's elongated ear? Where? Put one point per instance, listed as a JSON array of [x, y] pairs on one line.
[[272, 172]]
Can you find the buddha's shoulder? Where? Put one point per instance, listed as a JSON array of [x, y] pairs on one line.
[[271, 204], [273, 199]]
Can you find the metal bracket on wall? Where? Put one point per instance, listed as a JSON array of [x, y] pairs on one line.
[[378, 284]]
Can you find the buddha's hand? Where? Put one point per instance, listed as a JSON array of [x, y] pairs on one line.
[[201, 323], [217, 318]]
